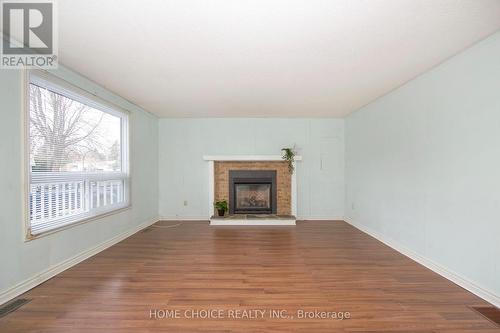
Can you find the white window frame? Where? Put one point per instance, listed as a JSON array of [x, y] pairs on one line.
[[60, 86]]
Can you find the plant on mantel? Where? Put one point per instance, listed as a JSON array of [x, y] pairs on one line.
[[289, 157]]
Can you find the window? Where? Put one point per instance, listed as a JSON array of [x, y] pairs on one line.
[[78, 154]]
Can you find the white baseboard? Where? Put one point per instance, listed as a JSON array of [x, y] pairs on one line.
[[437, 268], [204, 218], [183, 218], [50, 272], [320, 218]]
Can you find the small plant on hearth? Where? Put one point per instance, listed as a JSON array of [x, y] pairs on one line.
[[289, 157], [222, 207]]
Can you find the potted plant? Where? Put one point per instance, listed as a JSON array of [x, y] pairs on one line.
[[222, 207], [289, 157]]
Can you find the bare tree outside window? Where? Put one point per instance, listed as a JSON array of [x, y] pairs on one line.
[[67, 135], [76, 147]]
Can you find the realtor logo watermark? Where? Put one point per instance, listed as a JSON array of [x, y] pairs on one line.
[[29, 34]]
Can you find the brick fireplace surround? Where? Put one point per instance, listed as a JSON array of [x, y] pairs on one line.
[[218, 181], [283, 180]]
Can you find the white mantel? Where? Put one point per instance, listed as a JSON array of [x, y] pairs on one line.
[[211, 183], [246, 158]]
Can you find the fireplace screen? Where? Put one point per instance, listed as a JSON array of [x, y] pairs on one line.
[[253, 197], [252, 192]]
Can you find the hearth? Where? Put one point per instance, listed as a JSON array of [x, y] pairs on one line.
[[252, 192]]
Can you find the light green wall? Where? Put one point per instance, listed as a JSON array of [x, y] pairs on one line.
[[184, 173], [20, 260], [423, 165]]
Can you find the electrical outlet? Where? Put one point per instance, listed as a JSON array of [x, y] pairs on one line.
[[185, 202], [353, 207]]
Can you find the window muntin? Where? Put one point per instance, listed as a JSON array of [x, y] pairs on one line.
[[78, 155]]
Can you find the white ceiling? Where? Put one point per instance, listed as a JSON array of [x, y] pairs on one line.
[[264, 58]]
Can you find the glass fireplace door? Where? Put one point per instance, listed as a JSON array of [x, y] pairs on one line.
[[252, 198]]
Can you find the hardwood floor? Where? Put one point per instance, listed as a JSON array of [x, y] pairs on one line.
[[190, 266]]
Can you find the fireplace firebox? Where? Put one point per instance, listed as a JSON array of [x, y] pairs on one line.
[[252, 192]]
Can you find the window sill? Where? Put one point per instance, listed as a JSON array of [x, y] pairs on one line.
[[29, 237]]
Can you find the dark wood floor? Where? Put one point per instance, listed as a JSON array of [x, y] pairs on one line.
[[315, 266]]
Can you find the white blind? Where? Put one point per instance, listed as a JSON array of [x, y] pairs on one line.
[[78, 154]]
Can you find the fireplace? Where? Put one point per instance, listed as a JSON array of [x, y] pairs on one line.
[[252, 192]]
